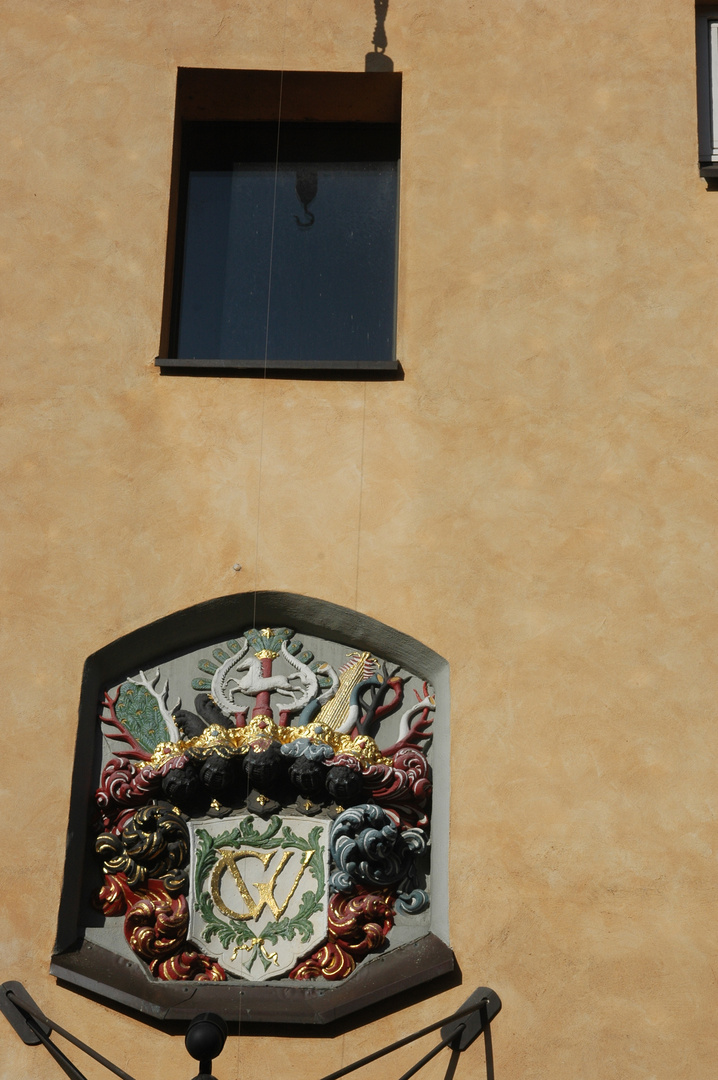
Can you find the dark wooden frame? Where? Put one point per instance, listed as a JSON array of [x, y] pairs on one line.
[[225, 94]]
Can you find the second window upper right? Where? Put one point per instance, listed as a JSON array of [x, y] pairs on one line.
[[707, 71]]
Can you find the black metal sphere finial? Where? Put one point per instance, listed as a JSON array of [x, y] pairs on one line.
[[205, 1039]]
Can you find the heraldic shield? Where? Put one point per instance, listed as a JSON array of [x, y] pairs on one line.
[[268, 814], [259, 891]]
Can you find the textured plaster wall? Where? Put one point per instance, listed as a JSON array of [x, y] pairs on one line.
[[536, 500]]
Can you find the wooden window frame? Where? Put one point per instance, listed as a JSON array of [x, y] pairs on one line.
[[207, 94]]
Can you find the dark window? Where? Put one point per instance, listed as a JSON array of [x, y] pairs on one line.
[[707, 71], [286, 242]]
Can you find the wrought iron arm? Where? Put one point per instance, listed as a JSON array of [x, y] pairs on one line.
[[34, 1028], [458, 1031]]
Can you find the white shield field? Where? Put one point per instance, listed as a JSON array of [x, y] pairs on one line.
[[259, 891]]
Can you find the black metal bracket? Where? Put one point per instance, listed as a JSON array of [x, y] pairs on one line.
[[13, 996], [458, 1032], [34, 1027]]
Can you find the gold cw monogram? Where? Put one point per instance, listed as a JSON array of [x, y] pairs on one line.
[[228, 860]]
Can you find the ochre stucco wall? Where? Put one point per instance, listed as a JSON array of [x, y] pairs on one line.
[[536, 500]]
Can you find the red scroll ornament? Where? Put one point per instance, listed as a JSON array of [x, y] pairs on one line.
[[156, 929], [402, 789], [358, 925]]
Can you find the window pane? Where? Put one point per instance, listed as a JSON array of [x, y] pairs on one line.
[[714, 88], [261, 272], [205, 258]]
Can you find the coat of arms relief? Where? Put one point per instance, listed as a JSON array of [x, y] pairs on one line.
[[263, 810]]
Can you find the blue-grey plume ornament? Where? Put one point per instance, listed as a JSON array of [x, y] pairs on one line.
[[369, 850]]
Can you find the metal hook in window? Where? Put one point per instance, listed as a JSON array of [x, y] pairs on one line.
[[306, 189]]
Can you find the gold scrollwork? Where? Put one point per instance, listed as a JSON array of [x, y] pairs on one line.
[[257, 942], [217, 739]]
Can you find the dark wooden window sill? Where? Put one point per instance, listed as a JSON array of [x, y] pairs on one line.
[[379, 369]]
